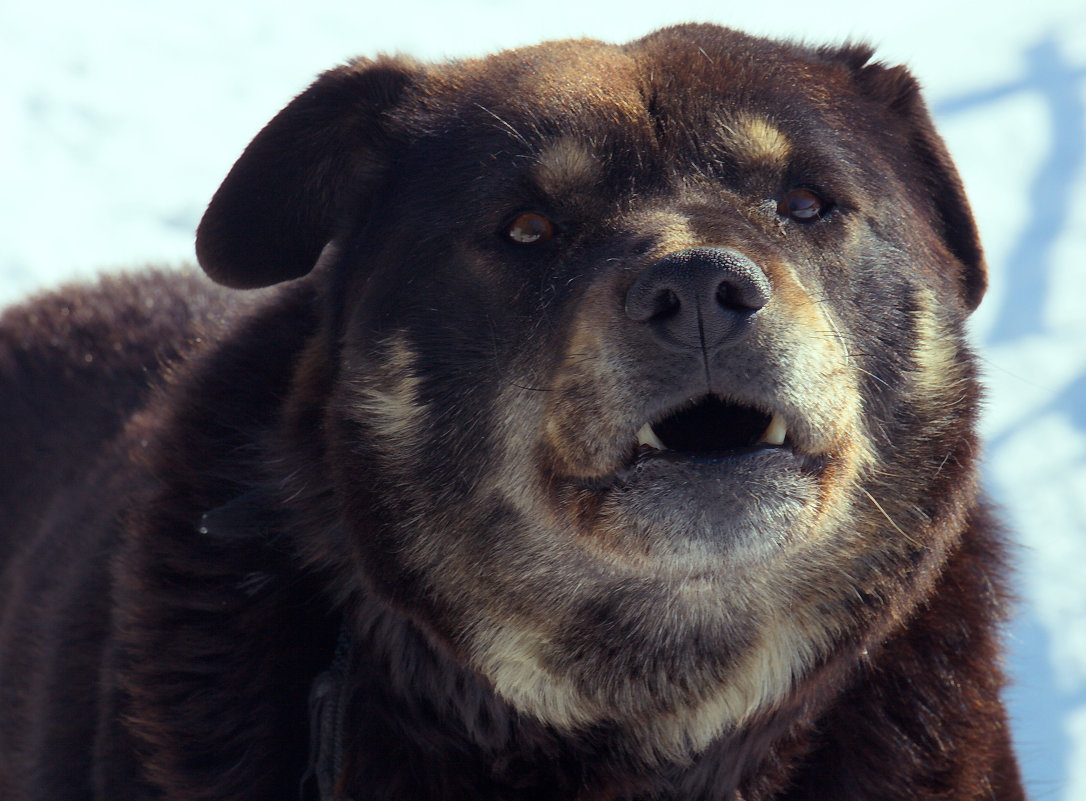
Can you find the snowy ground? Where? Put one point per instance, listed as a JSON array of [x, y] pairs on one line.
[[119, 118]]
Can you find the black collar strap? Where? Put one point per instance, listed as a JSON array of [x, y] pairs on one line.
[[328, 701]]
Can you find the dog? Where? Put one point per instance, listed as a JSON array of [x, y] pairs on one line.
[[599, 425]]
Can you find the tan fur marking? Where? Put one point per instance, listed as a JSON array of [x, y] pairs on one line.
[[767, 675], [510, 658], [566, 166], [389, 403], [787, 650], [938, 364], [755, 141], [817, 349]]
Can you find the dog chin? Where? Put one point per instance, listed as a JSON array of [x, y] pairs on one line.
[[737, 506]]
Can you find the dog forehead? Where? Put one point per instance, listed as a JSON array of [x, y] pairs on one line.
[[569, 79], [712, 81]]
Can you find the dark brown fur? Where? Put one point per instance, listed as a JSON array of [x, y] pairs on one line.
[[425, 444]]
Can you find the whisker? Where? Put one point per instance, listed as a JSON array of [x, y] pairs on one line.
[[868, 372], [517, 134], [530, 389], [889, 519], [844, 342]]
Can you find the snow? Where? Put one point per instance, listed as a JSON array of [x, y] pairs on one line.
[[119, 118]]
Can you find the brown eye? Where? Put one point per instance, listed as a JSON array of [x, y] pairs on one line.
[[802, 205], [530, 229]]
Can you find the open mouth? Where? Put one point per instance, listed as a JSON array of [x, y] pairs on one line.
[[711, 428]]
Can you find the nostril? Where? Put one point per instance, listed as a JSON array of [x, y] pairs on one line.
[[748, 293], [663, 303]]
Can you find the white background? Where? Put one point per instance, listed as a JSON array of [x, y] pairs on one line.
[[119, 118]]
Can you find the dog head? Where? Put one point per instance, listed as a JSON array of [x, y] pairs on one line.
[[646, 388]]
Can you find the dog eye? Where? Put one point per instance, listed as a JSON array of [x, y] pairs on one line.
[[802, 205], [529, 229]]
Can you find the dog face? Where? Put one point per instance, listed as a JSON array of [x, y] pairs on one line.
[[646, 395]]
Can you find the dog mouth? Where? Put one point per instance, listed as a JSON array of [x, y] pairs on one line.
[[710, 428], [729, 476]]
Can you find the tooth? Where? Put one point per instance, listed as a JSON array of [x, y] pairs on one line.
[[646, 436], [776, 432]]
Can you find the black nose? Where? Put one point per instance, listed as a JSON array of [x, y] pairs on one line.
[[701, 298]]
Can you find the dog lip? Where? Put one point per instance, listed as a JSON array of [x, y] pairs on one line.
[[723, 459], [704, 457], [661, 463]]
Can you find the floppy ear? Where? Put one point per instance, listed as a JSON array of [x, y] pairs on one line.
[[897, 90], [281, 201]]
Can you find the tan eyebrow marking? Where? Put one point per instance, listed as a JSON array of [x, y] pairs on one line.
[[755, 140], [565, 166]]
